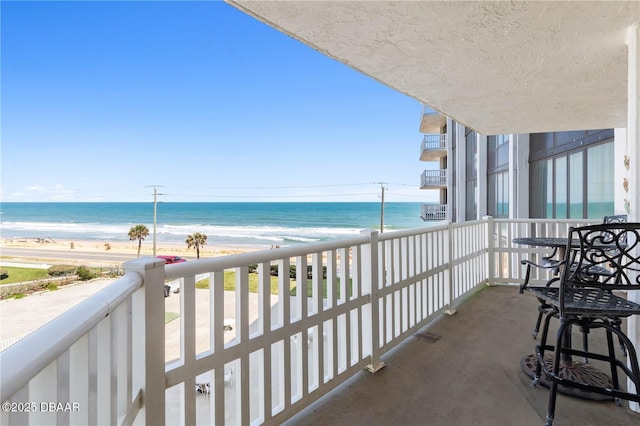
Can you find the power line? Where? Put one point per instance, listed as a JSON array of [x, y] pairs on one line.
[[278, 196], [279, 187]]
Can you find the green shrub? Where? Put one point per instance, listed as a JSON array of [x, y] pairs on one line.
[[3, 274], [51, 286], [292, 271], [84, 274], [61, 270]]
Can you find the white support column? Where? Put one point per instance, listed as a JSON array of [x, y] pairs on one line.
[[461, 176], [450, 191], [620, 172], [148, 338], [633, 152], [519, 176], [481, 176]]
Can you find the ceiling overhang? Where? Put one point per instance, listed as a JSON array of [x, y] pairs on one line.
[[497, 67]]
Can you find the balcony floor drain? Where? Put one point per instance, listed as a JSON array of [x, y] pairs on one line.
[[428, 337]]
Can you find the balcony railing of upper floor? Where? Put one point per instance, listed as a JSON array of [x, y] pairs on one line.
[[433, 179], [433, 147], [112, 358], [433, 212]]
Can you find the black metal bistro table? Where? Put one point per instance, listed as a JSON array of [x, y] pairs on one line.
[[568, 367], [551, 242]]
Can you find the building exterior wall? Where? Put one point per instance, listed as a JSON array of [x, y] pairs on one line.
[[546, 175]]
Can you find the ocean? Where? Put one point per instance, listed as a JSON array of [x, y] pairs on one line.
[[239, 224]]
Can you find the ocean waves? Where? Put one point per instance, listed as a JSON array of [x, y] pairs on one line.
[[259, 236], [226, 224]]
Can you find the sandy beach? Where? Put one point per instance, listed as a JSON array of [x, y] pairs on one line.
[[49, 251]]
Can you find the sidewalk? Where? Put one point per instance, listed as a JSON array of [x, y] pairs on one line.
[[19, 317], [24, 265]]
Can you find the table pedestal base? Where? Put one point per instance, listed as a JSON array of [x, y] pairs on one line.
[[577, 372]]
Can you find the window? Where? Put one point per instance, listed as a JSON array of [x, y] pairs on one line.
[[561, 191], [574, 184], [498, 175], [576, 189], [498, 194], [600, 183], [471, 184]]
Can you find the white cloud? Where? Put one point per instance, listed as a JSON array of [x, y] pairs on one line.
[[55, 192]]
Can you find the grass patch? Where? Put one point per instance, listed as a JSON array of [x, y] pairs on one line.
[[20, 275], [170, 316], [230, 284]]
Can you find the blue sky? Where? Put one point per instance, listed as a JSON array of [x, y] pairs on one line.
[[102, 99]]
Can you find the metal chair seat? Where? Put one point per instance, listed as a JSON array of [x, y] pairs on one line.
[[588, 302]]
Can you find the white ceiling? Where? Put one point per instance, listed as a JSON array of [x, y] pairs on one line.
[[497, 67]]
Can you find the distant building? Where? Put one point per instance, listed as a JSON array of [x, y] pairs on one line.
[[538, 175]]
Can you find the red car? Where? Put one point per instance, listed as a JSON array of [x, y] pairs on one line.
[[172, 259], [169, 260]]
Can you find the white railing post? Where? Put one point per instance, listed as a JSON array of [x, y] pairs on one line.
[[490, 248], [148, 344], [450, 309], [371, 285]]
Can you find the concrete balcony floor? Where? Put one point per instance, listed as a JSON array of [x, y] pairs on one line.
[[468, 373]]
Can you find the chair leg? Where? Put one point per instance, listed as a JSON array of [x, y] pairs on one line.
[[557, 357], [552, 404], [542, 347], [553, 389], [537, 328], [617, 324], [585, 343]]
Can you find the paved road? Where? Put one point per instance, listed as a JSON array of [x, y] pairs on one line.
[[27, 253]]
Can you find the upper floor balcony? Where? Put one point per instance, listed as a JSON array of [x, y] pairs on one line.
[[432, 121], [433, 147], [433, 179], [297, 323], [433, 212]]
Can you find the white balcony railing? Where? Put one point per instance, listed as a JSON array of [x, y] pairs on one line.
[[104, 361], [433, 178], [433, 212], [434, 142]]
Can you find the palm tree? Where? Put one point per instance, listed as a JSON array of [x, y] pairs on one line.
[[138, 232], [196, 240]]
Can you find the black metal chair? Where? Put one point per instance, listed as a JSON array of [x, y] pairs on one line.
[[585, 298], [550, 263]]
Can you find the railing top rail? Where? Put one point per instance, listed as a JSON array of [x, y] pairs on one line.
[[436, 137], [203, 266], [409, 232], [534, 221], [26, 358]]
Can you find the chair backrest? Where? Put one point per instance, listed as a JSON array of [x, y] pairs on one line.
[[618, 218], [603, 256]]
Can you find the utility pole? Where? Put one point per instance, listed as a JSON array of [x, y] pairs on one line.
[[155, 214], [382, 184]]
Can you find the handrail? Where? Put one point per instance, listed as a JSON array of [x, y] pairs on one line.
[[409, 232], [26, 358]]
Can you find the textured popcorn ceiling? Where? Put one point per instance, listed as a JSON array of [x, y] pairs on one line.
[[498, 67]]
